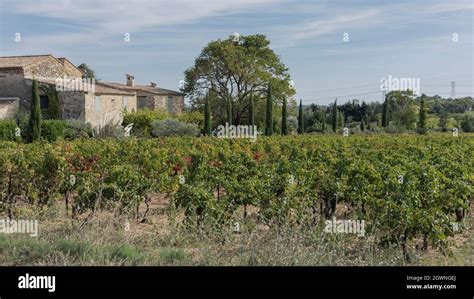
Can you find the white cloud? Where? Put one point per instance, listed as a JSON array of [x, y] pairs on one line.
[[329, 25], [127, 15], [450, 7]]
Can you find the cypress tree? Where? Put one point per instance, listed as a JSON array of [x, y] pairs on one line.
[[340, 119], [334, 116], [269, 112], [367, 121], [300, 118], [284, 116], [323, 125], [422, 115], [207, 116], [251, 112], [229, 110], [385, 114], [54, 108], [362, 127], [34, 125]]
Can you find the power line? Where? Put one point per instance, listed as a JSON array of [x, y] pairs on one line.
[[343, 96], [337, 89], [373, 92], [436, 92]]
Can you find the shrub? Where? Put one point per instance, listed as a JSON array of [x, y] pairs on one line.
[[109, 130], [77, 129], [53, 129], [7, 130], [422, 131], [174, 127], [142, 120], [192, 117], [22, 120], [392, 129], [467, 123]]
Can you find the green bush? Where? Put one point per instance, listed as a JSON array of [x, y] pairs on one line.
[[467, 123], [173, 127], [77, 129], [22, 120], [192, 117], [392, 129], [7, 130], [53, 129], [142, 120]]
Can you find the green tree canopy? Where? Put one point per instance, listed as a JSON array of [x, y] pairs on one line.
[[403, 109], [237, 69], [88, 72]]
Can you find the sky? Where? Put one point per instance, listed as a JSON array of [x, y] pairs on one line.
[[333, 49]]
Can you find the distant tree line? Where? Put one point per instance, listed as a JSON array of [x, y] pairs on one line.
[[401, 110]]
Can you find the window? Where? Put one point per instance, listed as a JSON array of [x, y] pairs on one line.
[[141, 102], [125, 103], [98, 104], [44, 102], [170, 104]]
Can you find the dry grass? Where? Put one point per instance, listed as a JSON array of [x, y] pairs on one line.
[[163, 239]]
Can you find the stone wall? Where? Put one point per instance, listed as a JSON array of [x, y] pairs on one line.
[[175, 107], [12, 84], [151, 101], [9, 107], [145, 101], [161, 102], [178, 104], [70, 68], [109, 109], [72, 105], [51, 68]]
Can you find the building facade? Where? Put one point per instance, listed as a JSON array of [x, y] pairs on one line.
[[102, 104], [152, 97]]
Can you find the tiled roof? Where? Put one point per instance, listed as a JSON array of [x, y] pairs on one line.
[[21, 61], [146, 88], [105, 87], [101, 89]]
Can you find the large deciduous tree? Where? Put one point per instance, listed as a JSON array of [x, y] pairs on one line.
[[87, 71], [403, 108], [237, 69], [251, 121]]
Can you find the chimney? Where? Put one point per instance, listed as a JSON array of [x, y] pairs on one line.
[[153, 84], [130, 80]]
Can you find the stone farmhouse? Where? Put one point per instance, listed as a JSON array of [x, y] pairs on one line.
[[104, 103]]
